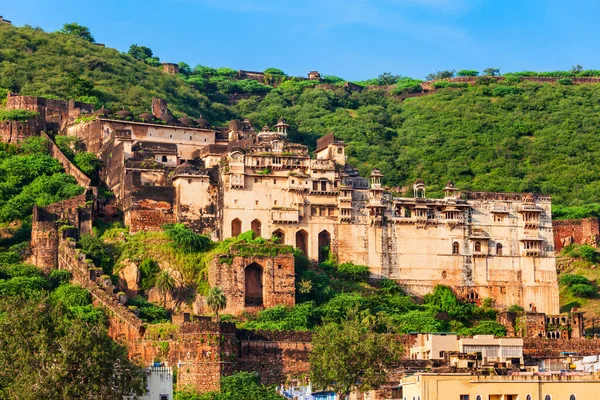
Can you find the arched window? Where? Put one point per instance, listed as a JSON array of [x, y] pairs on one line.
[[324, 245], [253, 285], [279, 236], [499, 249], [548, 397], [528, 397], [256, 227], [164, 158], [340, 150], [455, 248], [572, 397], [478, 246], [302, 241], [478, 397], [236, 227]]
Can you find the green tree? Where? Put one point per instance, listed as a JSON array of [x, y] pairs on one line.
[[387, 79], [467, 72], [139, 52], [46, 354], [351, 356], [491, 71], [216, 300], [165, 283], [446, 74], [75, 29]]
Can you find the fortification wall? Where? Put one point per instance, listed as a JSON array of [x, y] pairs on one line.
[[579, 231], [538, 79], [16, 131], [276, 281], [70, 168], [275, 356], [54, 113], [539, 348]]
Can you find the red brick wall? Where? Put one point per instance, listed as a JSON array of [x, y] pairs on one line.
[[278, 280], [580, 231]]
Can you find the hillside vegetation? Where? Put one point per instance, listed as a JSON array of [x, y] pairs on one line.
[[507, 136]]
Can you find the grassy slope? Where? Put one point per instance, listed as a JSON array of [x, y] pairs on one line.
[[531, 137], [591, 307], [34, 62]]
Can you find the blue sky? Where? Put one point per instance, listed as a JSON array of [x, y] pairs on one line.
[[354, 39]]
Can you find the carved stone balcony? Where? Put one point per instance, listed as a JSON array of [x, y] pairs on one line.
[[285, 216], [322, 165], [236, 181]]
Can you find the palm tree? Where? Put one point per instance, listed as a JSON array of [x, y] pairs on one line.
[[216, 300], [164, 284]]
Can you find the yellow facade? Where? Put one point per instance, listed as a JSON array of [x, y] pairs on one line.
[[514, 387]]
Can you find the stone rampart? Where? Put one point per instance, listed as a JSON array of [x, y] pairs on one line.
[[17, 131], [471, 80], [70, 168], [254, 282], [275, 356], [540, 348], [54, 113], [576, 231]]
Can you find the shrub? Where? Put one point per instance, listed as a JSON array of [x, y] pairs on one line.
[[488, 328], [148, 271], [583, 290], [573, 279], [71, 296], [484, 80], [505, 90], [512, 80], [58, 277], [565, 81], [584, 251], [17, 115], [23, 285], [467, 72], [516, 309], [354, 272], [97, 251], [185, 238]]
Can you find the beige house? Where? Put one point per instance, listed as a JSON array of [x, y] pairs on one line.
[[524, 386], [434, 346]]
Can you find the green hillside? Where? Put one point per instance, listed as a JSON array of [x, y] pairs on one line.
[[507, 136]]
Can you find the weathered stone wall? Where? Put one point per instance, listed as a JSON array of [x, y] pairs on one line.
[[539, 348], [170, 68], [17, 131], [579, 231], [45, 229], [55, 113], [538, 79], [70, 168], [148, 208], [231, 275], [275, 356]]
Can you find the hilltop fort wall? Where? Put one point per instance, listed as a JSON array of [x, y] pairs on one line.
[[223, 182], [576, 231]]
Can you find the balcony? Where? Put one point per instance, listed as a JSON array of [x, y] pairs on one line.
[[345, 199], [376, 203], [322, 165], [345, 218], [532, 224], [285, 216], [299, 187], [236, 181]]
